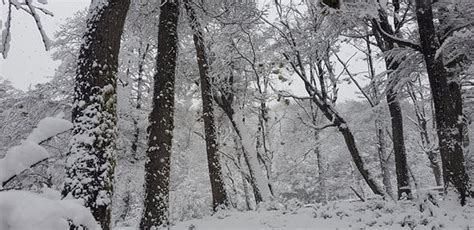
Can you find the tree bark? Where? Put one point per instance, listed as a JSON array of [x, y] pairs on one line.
[[219, 195], [90, 166], [399, 150], [448, 113], [157, 168], [401, 166], [382, 151]]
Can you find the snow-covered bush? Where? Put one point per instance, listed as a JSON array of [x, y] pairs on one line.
[[30, 152], [22, 210]]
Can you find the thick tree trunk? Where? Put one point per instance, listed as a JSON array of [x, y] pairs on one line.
[[219, 195], [399, 150], [90, 166], [446, 101], [157, 168], [401, 167]]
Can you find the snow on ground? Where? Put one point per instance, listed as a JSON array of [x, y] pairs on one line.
[[373, 214], [22, 210]]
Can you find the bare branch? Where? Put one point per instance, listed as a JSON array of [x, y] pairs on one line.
[[344, 65], [399, 41]]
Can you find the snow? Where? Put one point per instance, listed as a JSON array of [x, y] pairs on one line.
[[49, 127], [23, 210], [19, 158], [425, 213], [29, 152]]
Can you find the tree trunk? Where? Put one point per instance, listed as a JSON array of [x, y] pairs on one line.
[[374, 101], [90, 167], [238, 149], [427, 144], [399, 150], [219, 195], [257, 180], [138, 106], [401, 167], [323, 196], [263, 143], [431, 153], [157, 168], [330, 113], [469, 156], [448, 113], [382, 152]]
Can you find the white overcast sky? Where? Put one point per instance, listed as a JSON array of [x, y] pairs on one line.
[[28, 63]]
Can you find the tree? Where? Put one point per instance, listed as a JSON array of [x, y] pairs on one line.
[[306, 70], [427, 135], [230, 78], [447, 99], [219, 196], [373, 96], [90, 167], [385, 44], [157, 168]]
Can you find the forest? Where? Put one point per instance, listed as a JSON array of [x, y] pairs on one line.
[[242, 114]]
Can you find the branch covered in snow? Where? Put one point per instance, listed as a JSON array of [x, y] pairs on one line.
[[29, 152], [29, 9]]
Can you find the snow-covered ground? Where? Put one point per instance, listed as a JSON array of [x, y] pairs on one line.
[[373, 214], [22, 210]]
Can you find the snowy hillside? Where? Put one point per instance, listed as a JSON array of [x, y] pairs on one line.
[[374, 214]]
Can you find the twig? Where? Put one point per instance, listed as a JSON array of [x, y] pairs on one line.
[[357, 194]]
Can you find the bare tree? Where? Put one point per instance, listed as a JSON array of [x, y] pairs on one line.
[[319, 95], [219, 196]]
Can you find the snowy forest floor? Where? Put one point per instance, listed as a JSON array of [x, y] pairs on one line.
[[425, 213]]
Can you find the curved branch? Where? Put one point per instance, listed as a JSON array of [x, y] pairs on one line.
[[399, 41]]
